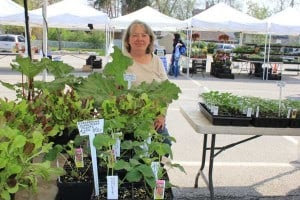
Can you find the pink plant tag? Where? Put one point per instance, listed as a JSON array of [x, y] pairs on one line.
[[79, 157], [159, 191]]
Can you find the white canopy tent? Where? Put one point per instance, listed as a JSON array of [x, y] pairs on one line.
[[8, 7], [285, 22], [71, 14], [222, 17], [156, 20]]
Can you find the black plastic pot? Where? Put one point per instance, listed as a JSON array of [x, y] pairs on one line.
[[224, 120], [74, 191], [295, 123], [270, 122]]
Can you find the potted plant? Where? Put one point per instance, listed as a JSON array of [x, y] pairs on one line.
[[77, 182], [18, 169], [224, 109]]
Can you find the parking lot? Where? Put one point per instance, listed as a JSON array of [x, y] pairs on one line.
[[265, 168]]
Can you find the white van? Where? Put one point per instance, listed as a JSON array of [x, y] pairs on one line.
[[12, 43]]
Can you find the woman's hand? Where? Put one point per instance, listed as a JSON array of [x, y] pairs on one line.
[[159, 122]]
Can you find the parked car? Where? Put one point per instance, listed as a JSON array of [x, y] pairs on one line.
[[227, 48], [12, 43]]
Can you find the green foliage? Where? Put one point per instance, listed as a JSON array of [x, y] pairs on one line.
[[17, 169], [116, 69]]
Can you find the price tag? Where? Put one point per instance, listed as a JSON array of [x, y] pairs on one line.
[[90, 127], [155, 168], [116, 148], [280, 83], [249, 112], [129, 78], [112, 187], [79, 158], [159, 191]]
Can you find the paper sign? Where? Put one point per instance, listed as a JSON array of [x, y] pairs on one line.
[[79, 158], [116, 148], [155, 168], [129, 78], [159, 191], [90, 127], [112, 187]]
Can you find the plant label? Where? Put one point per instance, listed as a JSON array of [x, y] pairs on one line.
[[155, 168], [129, 78], [116, 148], [215, 110], [79, 158], [159, 191], [289, 112], [112, 187], [257, 112], [249, 112], [294, 114], [90, 127]]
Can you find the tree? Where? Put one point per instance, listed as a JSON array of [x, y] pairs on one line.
[[260, 12]]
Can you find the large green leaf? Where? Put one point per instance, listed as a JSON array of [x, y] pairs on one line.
[[28, 67], [118, 66], [133, 176], [58, 69]]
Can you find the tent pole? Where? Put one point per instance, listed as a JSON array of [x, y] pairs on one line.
[[265, 53], [241, 38], [269, 49], [27, 29], [189, 34], [45, 36]]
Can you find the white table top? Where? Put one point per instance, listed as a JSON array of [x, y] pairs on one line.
[[202, 125]]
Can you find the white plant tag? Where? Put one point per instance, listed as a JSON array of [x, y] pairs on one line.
[[289, 112], [249, 112], [116, 148], [90, 127], [112, 187], [129, 78], [159, 192], [215, 110], [257, 112], [155, 168]]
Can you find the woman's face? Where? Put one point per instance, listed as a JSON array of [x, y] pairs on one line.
[[139, 40]]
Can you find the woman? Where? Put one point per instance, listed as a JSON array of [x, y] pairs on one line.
[[138, 44], [177, 51]]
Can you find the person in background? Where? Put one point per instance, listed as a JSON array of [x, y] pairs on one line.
[[138, 43], [178, 49]]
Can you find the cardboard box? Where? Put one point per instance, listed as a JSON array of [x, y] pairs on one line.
[[87, 68]]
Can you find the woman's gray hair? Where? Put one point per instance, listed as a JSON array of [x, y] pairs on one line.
[[148, 30]]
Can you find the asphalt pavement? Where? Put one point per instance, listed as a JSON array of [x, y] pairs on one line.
[[265, 168]]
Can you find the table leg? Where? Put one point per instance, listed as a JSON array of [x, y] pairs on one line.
[[203, 160], [211, 165]]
